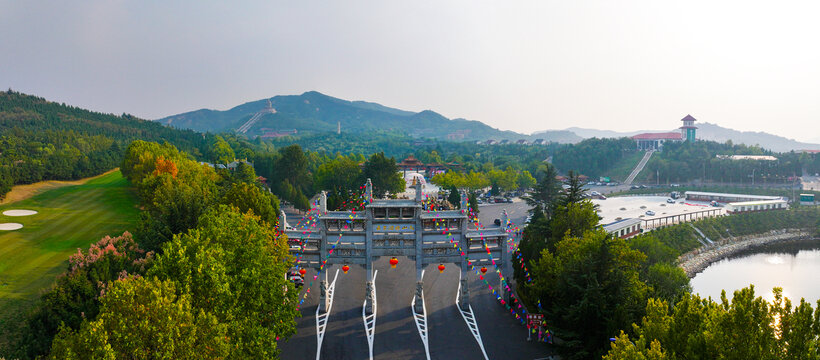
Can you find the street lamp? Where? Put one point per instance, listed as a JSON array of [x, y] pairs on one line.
[[753, 177]]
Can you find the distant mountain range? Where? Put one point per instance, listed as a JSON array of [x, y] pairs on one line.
[[317, 112]]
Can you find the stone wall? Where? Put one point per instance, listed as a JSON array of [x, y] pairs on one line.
[[699, 259]]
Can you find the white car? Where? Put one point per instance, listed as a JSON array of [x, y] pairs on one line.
[[650, 213], [670, 201]]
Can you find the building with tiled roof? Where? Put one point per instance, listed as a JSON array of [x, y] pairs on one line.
[[655, 141]]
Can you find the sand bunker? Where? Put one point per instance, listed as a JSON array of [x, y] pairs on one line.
[[19, 212], [11, 226]]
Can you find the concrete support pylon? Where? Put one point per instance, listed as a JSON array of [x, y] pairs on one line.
[[368, 298], [283, 220], [419, 305], [419, 193], [324, 300], [464, 290], [368, 191]]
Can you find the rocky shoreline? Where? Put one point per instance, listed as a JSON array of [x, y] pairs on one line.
[[699, 259]]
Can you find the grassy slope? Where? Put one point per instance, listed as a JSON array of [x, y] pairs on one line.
[[621, 170], [68, 218]]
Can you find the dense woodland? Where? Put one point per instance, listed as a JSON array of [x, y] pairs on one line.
[[685, 162], [593, 287], [42, 140], [145, 295]]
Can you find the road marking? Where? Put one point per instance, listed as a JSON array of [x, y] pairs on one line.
[[421, 320], [321, 319], [370, 321], [469, 318]]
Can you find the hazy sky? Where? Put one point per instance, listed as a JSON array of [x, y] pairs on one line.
[[517, 65]]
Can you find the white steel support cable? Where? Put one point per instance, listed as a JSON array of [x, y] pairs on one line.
[[370, 320], [321, 319], [469, 318], [421, 320]]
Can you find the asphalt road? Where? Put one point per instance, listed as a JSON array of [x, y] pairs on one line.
[[396, 334]]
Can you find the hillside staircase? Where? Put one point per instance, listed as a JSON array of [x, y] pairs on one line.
[[258, 115], [702, 235], [639, 168]]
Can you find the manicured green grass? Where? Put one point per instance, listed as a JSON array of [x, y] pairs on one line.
[[68, 218], [621, 169]]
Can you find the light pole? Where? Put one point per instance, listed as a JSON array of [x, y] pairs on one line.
[[753, 177]]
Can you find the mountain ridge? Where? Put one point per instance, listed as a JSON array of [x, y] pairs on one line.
[[313, 111]]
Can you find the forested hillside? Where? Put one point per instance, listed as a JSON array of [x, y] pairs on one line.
[[316, 112], [686, 162], [43, 140]]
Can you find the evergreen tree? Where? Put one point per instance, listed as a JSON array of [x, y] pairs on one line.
[[454, 197]]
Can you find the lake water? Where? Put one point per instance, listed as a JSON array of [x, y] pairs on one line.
[[795, 267]]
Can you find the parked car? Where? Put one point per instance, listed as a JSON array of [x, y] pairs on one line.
[[634, 187], [296, 278], [601, 196], [650, 213], [670, 201]]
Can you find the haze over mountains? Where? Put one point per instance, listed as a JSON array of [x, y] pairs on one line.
[[316, 112]]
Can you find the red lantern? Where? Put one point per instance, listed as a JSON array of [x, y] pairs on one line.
[[483, 270], [302, 271], [345, 268], [394, 262], [440, 268]]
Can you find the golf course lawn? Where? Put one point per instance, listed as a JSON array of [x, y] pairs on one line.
[[67, 218]]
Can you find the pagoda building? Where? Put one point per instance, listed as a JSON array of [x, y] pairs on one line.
[[687, 131]]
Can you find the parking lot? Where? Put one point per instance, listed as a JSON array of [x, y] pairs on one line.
[[624, 207]]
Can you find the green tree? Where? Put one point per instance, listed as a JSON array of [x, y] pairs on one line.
[[454, 197], [744, 327], [291, 166], [667, 281], [246, 197], [624, 349], [508, 181], [244, 173], [473, 200], [546, 191], [220, 151], [589, 288], [574, 193], [75, 295], [144, 319], [526, 180], [384, 174], [572, 220], [341, 178], [243, 286]]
